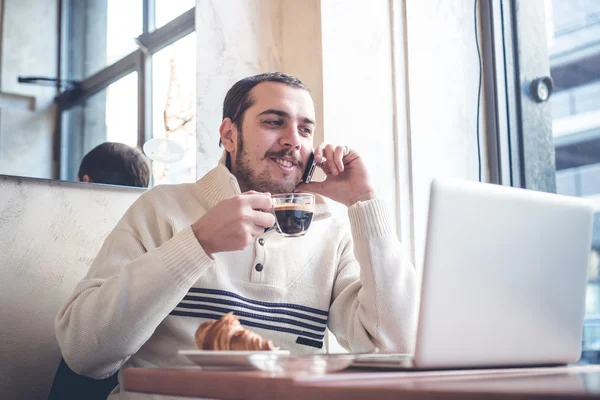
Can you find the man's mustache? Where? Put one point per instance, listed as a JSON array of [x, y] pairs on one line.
[[284, 153]]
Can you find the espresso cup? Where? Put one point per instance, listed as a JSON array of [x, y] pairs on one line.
[[293, 213]]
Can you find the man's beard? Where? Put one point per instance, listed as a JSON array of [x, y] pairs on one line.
[[248, 179]]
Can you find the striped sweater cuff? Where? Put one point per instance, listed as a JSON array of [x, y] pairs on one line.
[[184, 259], [370, 219]]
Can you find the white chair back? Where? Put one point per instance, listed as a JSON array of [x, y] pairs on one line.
[[50, 232]]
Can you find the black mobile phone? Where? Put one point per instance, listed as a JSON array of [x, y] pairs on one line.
[[311, 165]]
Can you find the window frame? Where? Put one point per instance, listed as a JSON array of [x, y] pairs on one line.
[[519, 56], [519, 129], [151, 41]]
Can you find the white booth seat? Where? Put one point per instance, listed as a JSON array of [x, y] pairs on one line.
[[50, 232]]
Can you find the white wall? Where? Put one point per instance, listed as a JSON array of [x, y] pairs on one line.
[[358, 86], [26, 136], [442, 85], [400, 82]]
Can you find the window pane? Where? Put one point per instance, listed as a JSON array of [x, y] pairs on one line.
[[167, 10], [124, 25], [174, 103], [108, 116], [573, 31], [121, 111], [100, 33]]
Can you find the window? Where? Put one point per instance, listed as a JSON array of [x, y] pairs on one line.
[[122, 65], [573, 29], [99, 33], [167, 10], [174, 103], [107, 116], [550, 144], [121, 110]]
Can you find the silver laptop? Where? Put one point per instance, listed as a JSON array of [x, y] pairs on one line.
[[504, 279]]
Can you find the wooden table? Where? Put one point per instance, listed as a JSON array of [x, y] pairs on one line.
[[573, 382]]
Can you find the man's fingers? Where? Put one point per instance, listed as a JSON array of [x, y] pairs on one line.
[[319, 153], [326, 169], [263, 220], [259, 201], [340, 152], [328, 153], [255, 230]]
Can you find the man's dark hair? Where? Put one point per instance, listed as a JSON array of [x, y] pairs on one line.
[[238, 98], [115, 164]]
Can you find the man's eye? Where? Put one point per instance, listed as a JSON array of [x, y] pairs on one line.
[[307, 131], [276, 122]]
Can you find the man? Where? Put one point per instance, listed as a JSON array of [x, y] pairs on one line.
[[115, 164], [186, 253]]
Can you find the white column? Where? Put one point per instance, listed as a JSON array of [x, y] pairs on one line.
[[358, 87]]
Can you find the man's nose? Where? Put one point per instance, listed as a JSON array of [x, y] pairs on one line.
[[290, 137]]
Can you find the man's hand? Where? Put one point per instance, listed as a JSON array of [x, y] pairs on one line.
[[346, 182], [234, 223]]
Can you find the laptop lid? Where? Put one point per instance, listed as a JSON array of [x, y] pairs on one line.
[[504, 277]]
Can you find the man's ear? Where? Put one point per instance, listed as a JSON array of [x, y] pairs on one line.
[[228, 134], [86, 178]]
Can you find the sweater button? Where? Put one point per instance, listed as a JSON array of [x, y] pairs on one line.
[[261, 241], [258, 267]]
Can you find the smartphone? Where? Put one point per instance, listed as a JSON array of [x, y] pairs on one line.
[[311, 165]]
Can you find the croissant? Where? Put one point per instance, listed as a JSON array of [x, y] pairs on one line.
[[228, 334]]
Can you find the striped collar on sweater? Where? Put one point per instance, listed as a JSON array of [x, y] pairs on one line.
[[219, 184]]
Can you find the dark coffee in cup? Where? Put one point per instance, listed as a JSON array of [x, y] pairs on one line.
[[293, 219]]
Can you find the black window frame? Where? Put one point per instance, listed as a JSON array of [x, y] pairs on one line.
[[519, 127]]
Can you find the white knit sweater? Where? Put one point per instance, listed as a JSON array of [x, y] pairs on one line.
[[152, 284]]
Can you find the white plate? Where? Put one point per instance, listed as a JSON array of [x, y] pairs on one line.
[[228, 359], [303, 364]]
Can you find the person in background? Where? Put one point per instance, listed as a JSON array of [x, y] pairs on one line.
[[115, 164]]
